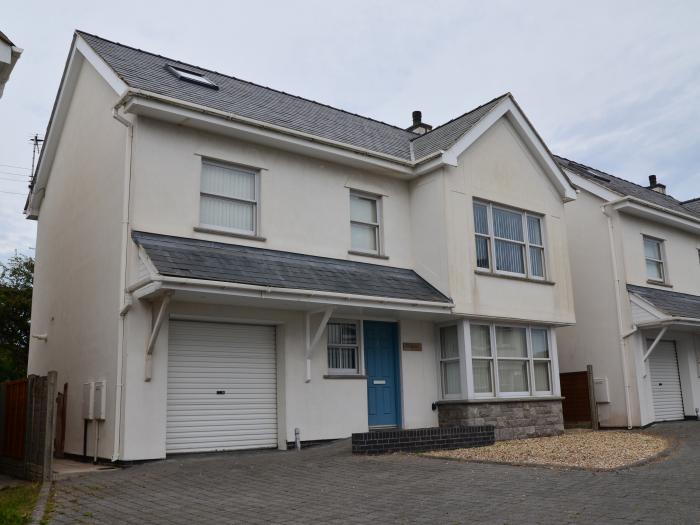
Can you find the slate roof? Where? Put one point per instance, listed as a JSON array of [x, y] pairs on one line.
[[675, 304], [444, 136], [693, 205], [198, 259], [627, 188], [147, 71]]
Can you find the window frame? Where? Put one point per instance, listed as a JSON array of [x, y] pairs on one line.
[[441, 361], [661, 262], [359, 349], [378, 226], [255, 201], [467, 359], [525, 244]]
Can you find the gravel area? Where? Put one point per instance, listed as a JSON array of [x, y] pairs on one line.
[[602, 450]]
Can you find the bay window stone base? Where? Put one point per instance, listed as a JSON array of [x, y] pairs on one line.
[[512, 418]]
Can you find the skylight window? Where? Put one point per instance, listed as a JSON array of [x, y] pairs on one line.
[[191, 76]]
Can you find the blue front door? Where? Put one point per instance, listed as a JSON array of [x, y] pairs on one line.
[[382, 366]]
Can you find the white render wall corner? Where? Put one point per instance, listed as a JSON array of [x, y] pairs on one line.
[[76, 286]]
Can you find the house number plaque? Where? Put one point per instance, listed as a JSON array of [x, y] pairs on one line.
[[413, 347]]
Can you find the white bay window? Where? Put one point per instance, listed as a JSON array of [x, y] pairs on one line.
[[500, 361]]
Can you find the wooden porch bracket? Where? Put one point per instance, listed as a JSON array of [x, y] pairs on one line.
[[656, 342], [311, 342], [154, 335]]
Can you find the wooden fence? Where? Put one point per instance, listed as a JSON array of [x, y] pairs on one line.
[[579, 405], [27, 413]]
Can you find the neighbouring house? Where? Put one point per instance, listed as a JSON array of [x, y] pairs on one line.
[[635, 258], [223, 266], [9, 55]]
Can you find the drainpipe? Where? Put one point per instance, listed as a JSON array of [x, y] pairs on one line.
[[125, 301], [618, 305]]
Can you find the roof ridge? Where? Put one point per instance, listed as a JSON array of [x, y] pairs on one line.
[[694, 199], [671, 197], [80, 32], [462, 115]]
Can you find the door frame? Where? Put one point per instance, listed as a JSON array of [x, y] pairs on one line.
[[398, 384]]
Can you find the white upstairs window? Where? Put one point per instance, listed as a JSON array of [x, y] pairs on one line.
[[365, 223], [654, 259], [508, 241], [229, 198]]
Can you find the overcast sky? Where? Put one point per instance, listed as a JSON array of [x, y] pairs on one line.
[[615, 85]]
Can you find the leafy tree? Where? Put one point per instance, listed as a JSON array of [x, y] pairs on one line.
[[16, 277]]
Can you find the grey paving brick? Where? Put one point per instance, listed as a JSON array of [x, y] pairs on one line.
[[327, 484]]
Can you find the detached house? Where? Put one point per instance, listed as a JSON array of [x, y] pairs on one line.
[[234, 266], [636, 270]]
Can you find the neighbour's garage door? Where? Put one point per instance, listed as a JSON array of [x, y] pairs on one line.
[[222, 387], [665, 382]]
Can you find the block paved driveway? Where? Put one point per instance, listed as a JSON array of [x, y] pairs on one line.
[[326, 484]]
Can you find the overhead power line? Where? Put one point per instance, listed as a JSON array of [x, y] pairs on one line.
[[13, 193]]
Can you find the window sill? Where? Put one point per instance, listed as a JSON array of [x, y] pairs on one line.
[[344, 376], [497, 400], [217, 231], [659, 283], [365, 254], [486, 273]]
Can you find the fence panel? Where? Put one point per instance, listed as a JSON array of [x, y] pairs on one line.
[[15, 419]]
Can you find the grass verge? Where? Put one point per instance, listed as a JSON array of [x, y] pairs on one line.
[[17, 503]]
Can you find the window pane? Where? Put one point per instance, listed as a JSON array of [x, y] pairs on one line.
[[481, 223], [342, 358], [228, 182], [481, 340], [362, 209], [450, 378], [364, 237], [654, 270], [533, 230], [540, 344], [652, 249], [511, 342], [512, 376], [227, 214], [536, 261], [509, 257], [482, 376], [342, 333], [508, 224], [482, 252], [542, 376], [449, 347]]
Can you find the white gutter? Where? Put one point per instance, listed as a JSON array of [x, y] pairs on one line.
[[158, 283], [618, 305], [125, 300]]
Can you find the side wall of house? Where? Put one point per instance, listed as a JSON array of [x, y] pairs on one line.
[[76, 287], [594, 339]]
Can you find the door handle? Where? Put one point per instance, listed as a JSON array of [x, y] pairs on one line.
[[220, 392]]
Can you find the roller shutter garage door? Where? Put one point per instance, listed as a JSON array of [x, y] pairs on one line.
[[666, 383], [222, 387]]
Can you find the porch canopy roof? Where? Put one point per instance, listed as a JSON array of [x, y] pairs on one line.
[[185, 264], [666, 307]]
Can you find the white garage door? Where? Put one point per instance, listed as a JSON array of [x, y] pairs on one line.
[[222, 387], [665, 382]]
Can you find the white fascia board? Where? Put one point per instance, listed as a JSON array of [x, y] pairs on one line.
[[592, 187], [182, 113], [79, 52], [218, 288], [509, 109], [659, 214]]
